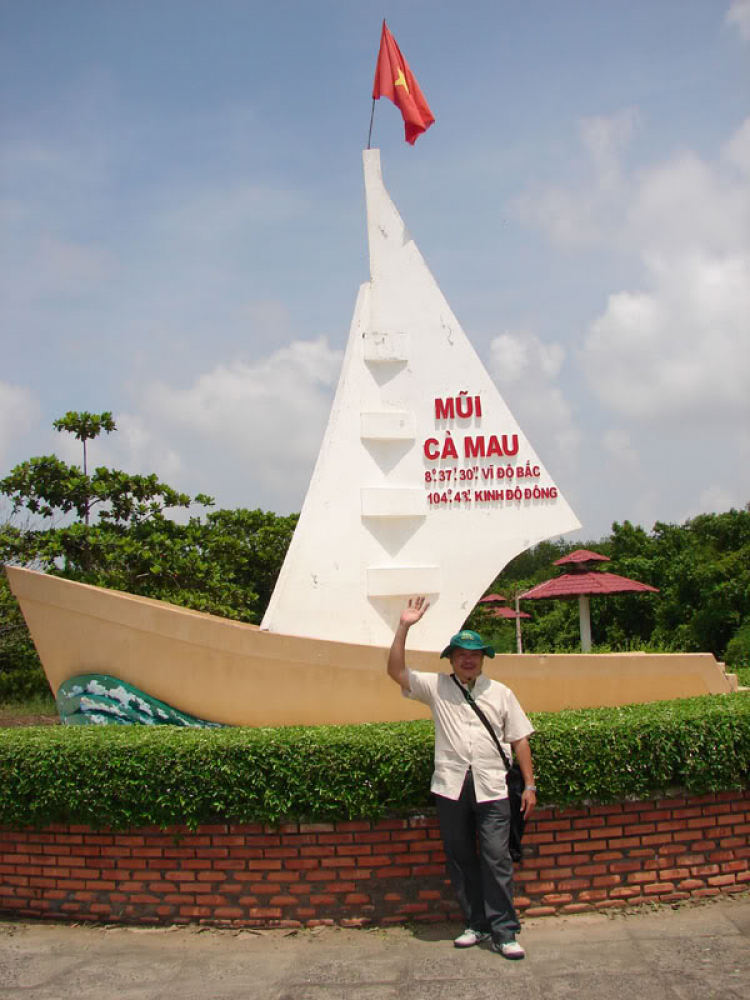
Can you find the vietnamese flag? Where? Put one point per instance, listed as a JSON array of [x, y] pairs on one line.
[[394, 80]]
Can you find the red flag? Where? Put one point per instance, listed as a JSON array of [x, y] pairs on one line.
[[394, 80]]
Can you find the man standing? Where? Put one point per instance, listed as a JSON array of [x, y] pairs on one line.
[[469, 779]]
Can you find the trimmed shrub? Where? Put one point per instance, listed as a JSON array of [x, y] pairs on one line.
[[122, 777]]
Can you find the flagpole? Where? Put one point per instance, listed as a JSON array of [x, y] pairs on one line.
[[372, 116]]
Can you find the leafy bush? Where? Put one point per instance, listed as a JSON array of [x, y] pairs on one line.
[[738, 649], [697, 744], [21, 673], [122, 777]]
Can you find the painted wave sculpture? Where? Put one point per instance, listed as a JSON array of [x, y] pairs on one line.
[[100, 700]]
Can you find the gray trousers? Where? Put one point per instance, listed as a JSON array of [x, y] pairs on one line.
[[482, 878]]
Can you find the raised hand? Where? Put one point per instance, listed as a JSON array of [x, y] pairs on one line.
[[414, 611]]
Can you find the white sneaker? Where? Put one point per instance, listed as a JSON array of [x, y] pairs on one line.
[[509, 949], [469, 938]]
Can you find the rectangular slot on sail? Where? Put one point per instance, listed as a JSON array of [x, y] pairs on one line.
[[393, 502], [384, 347], [388, 425], [389, 581]]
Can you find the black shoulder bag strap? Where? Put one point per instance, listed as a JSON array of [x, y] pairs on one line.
[[483, 719], [514, 780]]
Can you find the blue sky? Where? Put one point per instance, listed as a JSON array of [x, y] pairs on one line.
[[183, 231]]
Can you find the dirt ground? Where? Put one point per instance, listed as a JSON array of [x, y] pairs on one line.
[[8, 719]]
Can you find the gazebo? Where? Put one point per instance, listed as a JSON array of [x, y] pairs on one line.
[[582, 580], [499, 611]]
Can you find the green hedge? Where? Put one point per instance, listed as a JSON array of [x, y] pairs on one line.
[[123, 777]]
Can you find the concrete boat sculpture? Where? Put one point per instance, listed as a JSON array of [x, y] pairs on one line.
[[424, 484]]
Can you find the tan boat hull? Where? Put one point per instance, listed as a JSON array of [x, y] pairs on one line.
[[228, 672]]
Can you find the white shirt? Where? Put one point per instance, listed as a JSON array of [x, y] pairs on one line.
[[461, 740]]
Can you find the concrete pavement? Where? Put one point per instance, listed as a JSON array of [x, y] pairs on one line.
[[695, 951]]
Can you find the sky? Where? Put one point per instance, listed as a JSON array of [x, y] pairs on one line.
[[182, 232]]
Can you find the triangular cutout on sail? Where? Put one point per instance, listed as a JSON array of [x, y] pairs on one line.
[[424, 482]]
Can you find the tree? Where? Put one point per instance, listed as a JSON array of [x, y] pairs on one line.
[[250, 545], [86, 426], [226, 564], [21, 673], [46, 485]]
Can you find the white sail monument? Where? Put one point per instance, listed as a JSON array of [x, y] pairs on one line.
[[425, 483]]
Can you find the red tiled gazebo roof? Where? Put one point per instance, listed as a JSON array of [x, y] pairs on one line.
[[508, 613], [580, 556], [575, 584], [492, 599]]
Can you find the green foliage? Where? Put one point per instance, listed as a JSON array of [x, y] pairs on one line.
[[49, 487], [249, 546], [122, 777], [21, 673], [738, 648], [35, 704], [699, 744], [84, 425]]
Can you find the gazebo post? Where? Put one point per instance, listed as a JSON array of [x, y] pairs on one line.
[[584, 614], [519, 644]]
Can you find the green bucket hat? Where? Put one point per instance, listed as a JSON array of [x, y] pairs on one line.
[[467, 639]]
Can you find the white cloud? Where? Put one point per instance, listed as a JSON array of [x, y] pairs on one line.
[[668, 356], [680, 352], [604, 137], [525, 369], [509, 357], [716, 498], [739, 16], [253, 430], [619, 445], [70, 267], [687, 203], [578, 216], [19, 413], [513, 354], [211, 216], [737, 150], [678, 349], [136, 445]]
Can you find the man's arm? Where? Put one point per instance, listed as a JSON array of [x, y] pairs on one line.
[[397, 657], [522, 750]]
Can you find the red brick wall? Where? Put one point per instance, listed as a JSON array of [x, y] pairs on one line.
[[353, 873]]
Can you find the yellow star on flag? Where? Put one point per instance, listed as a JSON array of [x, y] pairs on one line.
[[401, 81]]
